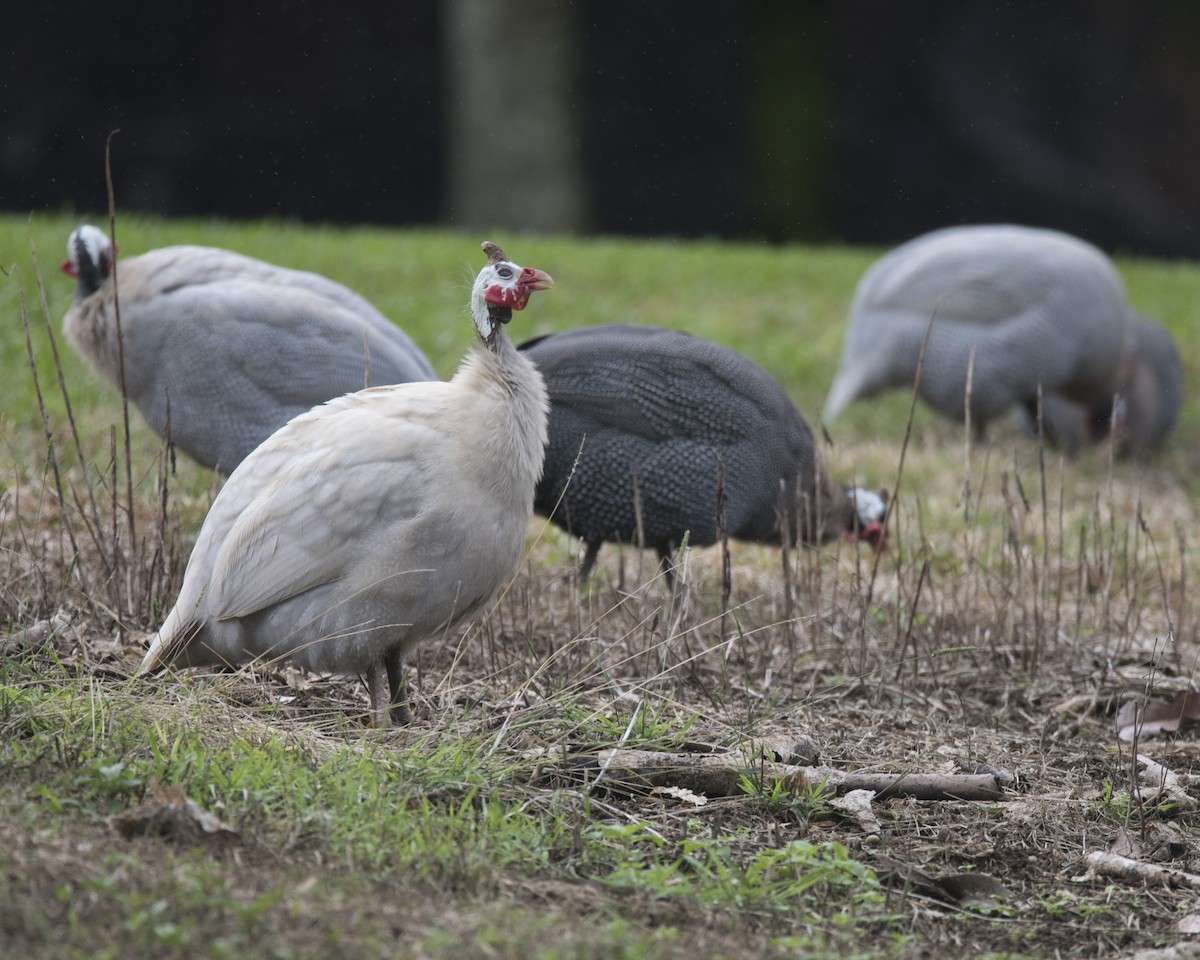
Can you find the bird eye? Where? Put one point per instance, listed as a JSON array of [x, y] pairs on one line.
[[504, 273]]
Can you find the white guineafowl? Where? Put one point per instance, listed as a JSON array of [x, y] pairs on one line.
[[373, 522], [221, 350]]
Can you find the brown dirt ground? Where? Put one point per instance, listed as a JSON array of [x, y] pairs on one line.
[[977, 640]]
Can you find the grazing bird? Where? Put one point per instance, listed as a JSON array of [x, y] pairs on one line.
[[1019, 306], [646, 424], [375, 521], [221, 350], [1144, 408]]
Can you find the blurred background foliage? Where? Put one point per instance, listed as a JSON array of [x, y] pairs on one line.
[[808, 120]]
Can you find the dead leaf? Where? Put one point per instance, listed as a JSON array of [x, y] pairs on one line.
[[1125, 846], [974, 887], [171, 813], [1162, 842], [1140, 718], [857, 805]]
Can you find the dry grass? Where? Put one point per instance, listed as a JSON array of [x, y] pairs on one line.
[[1024, 597], [1007, 637]]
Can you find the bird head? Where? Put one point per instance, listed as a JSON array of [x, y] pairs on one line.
[[90, 257], [868, 520], [502, 287]]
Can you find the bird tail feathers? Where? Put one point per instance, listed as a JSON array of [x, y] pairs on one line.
[[162, 647]]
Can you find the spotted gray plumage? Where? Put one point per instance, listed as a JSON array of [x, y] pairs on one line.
[[221, 349], [1034, 306], [643, 422]]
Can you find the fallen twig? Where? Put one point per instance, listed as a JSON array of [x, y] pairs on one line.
[[1102, 863], [1165, 783], [721, 775]]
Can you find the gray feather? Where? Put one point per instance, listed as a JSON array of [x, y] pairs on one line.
[[221, 350], [1146, 404]]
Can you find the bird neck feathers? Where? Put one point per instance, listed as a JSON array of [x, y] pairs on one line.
[[515, 404], [91, 329]]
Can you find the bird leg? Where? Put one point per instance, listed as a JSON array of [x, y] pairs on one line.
[[385, 687], [377, 691], [397, 698], [589, 561], [667, 566]]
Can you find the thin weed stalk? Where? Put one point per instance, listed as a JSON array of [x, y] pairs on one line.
[[896, 486], [116, 289], [51, 451]]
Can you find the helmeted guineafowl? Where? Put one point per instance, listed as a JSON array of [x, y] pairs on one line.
[[647, 423], [1022, 306], [375, 521]]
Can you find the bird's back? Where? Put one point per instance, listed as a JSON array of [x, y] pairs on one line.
[[660, 415], [1019, 305], [221, 349]]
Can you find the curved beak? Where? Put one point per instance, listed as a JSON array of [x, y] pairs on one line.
[[532, 279]]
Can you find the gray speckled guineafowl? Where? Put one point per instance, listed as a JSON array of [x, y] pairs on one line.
[[1034, 306], [659, 415], [220, 349]]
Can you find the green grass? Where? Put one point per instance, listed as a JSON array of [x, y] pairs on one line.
[[440, 816], [783, 306], [443, 841]]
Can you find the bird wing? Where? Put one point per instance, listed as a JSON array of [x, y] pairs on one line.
[[657, 398], [170, 269], [349, 471], [234, 361]]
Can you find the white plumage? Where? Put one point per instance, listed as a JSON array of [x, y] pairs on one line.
[[376, 520]]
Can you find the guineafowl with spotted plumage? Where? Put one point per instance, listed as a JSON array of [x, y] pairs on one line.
[[647, 425]]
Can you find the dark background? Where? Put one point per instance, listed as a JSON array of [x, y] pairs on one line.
[[814, 121]]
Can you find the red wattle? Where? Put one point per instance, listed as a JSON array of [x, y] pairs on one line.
[[514, 297]]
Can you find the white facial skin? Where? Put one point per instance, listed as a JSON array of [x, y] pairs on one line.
[[869, 506], [94, 240], [504, 284]]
